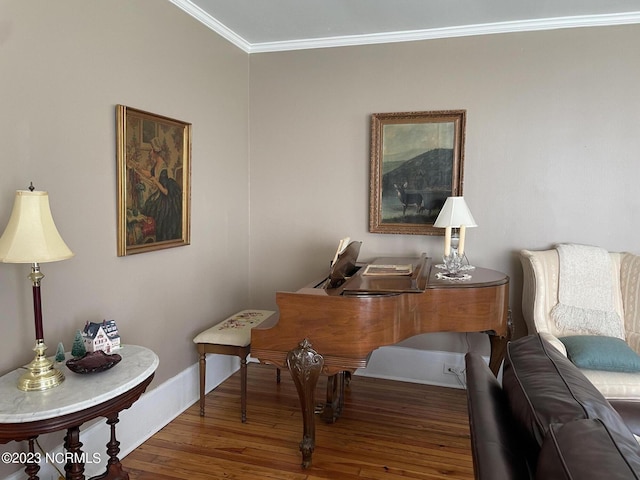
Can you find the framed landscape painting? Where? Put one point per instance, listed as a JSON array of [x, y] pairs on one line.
[[416, 163], [154, 181]]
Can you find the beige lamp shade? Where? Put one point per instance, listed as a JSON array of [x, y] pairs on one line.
[[455, 213], [31, 235]]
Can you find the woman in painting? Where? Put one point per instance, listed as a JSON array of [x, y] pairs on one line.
[[164, 204]]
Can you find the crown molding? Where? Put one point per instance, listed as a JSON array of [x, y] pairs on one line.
[[408, 36], [210, 22], [451, 32]]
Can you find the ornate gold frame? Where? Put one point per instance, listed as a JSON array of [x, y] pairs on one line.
[[416, 163], [154, 181]]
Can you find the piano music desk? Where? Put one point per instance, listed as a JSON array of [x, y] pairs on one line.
[[331, 331]]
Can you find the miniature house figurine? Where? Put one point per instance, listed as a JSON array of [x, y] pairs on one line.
[[101, 336]]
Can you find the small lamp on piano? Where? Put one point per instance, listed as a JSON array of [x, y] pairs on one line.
[[455, 217], [32, 237]]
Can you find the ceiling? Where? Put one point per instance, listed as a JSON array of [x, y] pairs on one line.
[[277, 25]]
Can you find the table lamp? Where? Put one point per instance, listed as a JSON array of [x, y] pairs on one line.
[[32, 237], [454, 214]]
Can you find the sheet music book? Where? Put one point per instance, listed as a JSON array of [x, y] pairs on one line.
[[373, 269], [344, 264], [342, 246]]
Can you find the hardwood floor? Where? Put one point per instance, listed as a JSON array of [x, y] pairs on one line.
[[388, 430]]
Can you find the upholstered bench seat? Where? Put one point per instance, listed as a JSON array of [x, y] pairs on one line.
[[231, 336]]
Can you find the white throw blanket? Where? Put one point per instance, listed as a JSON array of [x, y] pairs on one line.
[[585, 293]]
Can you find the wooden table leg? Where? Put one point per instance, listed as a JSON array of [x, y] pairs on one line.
[[305, 366], [32, 467], [72, 444], [114, 467]]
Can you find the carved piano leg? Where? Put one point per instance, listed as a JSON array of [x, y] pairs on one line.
[[332, 409], [305, 366]]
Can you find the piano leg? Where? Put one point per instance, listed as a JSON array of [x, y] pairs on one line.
[[499, 346], [332, 409], [305, 366]]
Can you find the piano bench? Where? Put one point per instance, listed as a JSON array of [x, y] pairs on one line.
[[231, 336]]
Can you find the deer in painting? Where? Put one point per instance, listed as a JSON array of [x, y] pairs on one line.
[[409, 199]]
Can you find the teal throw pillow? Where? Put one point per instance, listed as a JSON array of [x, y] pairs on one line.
[[595, 352]]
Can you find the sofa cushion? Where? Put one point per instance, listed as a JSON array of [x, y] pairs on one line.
[[615, 385], [545, 388], [584, 449], [596, 352]]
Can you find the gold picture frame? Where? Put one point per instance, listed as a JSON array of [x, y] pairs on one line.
[[154, 181], [417, 162]]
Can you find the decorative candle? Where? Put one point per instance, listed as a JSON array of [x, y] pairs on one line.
[[461, 243], [447, 241]]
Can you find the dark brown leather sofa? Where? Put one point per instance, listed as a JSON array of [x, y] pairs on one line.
[[547, 421]]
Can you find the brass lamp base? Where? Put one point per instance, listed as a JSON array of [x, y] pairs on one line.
[[41, 373]]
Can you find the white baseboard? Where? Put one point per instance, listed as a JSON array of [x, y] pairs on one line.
[[158, 407]]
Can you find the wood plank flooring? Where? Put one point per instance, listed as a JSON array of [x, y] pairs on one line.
[[388, 431]]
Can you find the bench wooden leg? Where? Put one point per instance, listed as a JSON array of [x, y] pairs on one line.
[[243, 388], [203, 374], [242, 353]]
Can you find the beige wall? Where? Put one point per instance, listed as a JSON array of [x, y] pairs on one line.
[[551, 155], [551, 146], [65, 65]]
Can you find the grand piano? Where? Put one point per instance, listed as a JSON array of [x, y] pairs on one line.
[[331, 326]]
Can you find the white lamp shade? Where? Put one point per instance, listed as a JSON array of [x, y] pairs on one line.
[[31, 236], [455, 213]]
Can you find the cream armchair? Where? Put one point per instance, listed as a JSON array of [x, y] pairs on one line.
[[540, 295]]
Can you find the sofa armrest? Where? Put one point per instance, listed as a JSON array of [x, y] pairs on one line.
[[497, 454], [629, 410], [539, 289]]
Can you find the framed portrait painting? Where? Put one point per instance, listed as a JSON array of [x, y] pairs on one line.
[[154, 181], [416, 163]]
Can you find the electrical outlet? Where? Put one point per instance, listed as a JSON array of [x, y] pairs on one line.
[[452, 369]]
